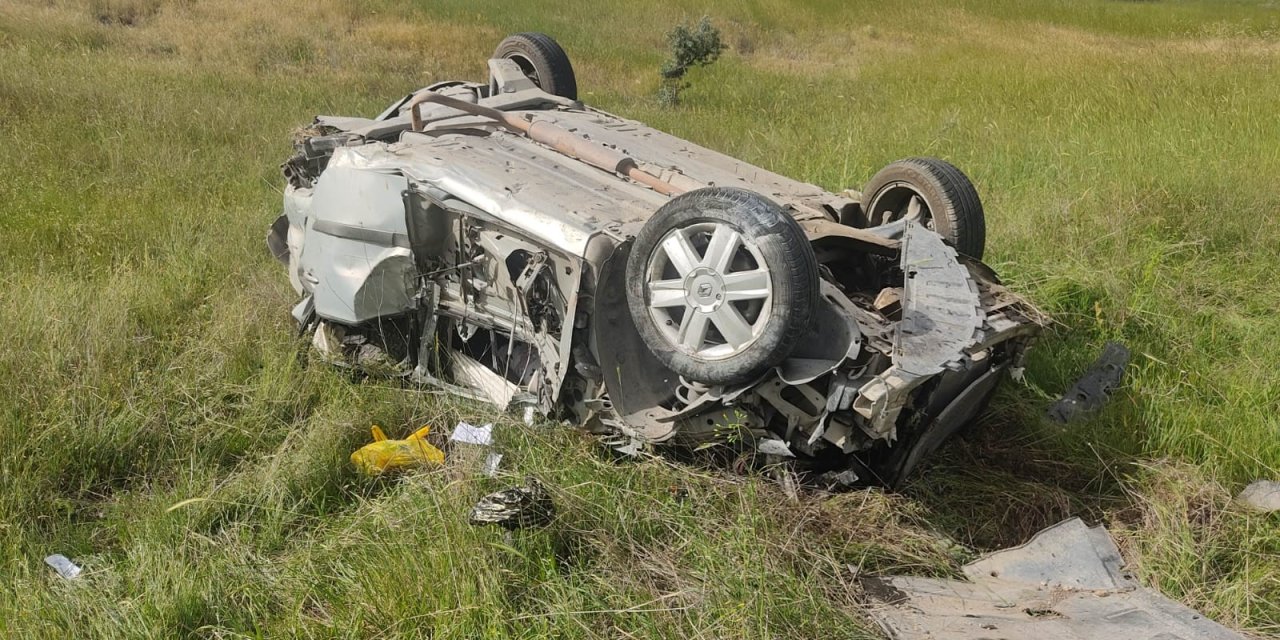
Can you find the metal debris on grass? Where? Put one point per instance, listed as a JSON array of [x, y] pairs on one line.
[[1066, 583], [1261, 495]]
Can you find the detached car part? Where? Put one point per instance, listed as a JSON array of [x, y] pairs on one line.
[[1094, 388], [508, 243], [1067, 583]]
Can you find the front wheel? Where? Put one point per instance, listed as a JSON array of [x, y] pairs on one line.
[[721, 284]]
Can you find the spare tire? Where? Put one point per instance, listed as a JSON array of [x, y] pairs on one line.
[[936, 194], [721, 284], [542, 60]]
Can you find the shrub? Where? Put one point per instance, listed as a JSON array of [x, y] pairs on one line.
[[691, 46]]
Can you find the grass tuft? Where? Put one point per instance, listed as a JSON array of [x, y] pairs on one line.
[[125, 13]]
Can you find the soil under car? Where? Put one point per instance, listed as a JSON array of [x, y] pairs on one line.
[[506, 242]]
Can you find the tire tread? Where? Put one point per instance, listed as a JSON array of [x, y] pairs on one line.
[[962, 207], [555, 72]]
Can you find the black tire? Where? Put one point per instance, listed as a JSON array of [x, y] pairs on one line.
[[542, 60], [950, 200], [789, 275]]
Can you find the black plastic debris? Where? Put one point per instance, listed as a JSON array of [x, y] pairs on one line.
[[519, 507], [1095, 387]]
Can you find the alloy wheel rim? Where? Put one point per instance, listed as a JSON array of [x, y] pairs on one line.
[[709, 290]]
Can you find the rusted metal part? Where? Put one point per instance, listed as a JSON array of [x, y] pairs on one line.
[[508, 120], [553, 136], [822, 229]]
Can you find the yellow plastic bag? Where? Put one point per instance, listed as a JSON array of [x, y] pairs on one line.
[[384, 455]]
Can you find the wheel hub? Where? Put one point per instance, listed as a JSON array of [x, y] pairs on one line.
[[704, 289], [899, 201]]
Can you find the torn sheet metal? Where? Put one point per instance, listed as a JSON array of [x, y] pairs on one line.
[[942, 316], [470, 372], [941, 311], [1261, 495], [1067, 583]]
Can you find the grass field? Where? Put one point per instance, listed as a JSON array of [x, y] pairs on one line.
[[1128, 154]]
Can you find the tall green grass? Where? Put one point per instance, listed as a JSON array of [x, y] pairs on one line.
[[1126, 153]]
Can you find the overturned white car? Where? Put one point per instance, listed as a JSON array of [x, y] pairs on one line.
[[509, 243]]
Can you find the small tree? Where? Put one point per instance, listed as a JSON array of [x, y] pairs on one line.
[[696, 46]]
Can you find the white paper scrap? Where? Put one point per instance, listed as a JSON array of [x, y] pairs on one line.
[[491, 464], [472, 434], [65, 567]]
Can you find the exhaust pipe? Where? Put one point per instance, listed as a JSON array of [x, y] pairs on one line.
[[551, 135]]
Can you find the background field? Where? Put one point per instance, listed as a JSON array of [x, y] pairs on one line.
[[1128, 154]]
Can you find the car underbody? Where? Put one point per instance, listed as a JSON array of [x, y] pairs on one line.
[[477, 237]]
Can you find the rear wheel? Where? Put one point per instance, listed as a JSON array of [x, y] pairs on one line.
[[931, 192], [721, 284], [542, 60]]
